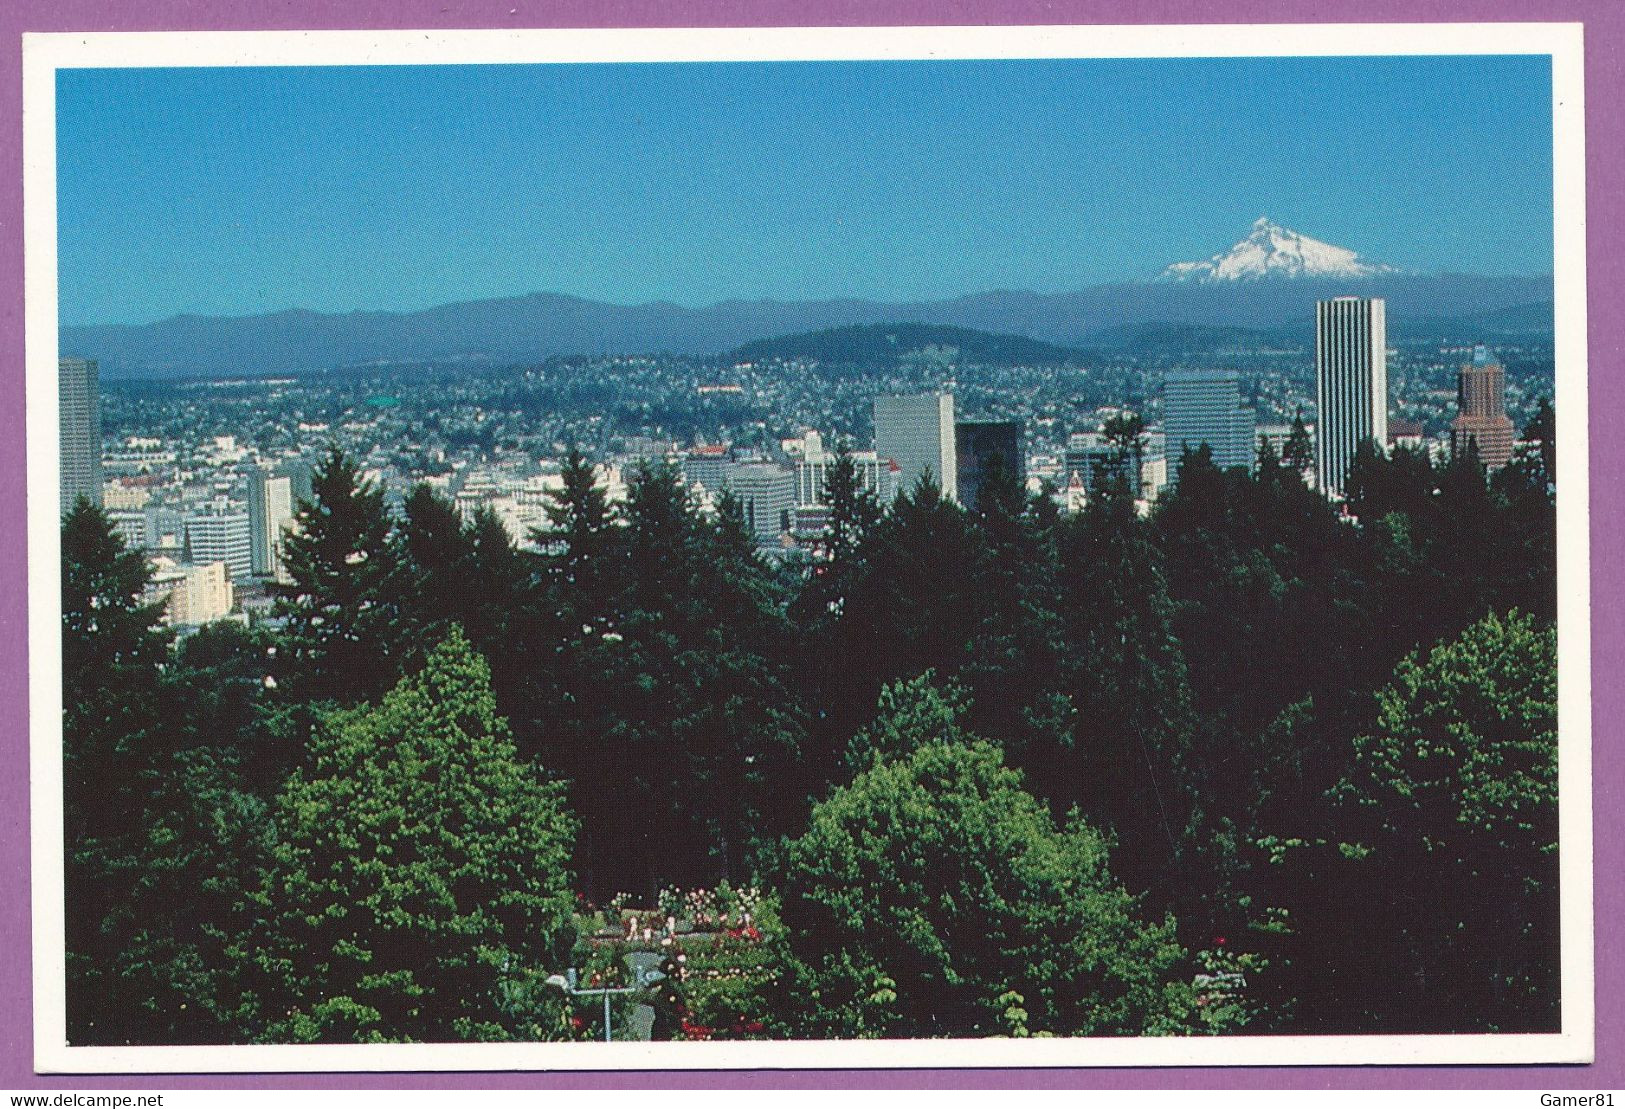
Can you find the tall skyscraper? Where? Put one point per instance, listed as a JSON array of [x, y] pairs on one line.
[[1202, 408], [79, 412], [917, 433], [1481, 394], [977, 443], [1351, 384], [270, 514]]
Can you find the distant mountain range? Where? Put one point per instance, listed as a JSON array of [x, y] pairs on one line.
[[1269, 281], [1515, 323]]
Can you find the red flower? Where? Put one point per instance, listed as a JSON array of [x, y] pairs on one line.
[[1218, 941], [577, 1022]]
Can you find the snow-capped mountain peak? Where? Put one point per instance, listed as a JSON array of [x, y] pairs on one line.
[[1271, 251]]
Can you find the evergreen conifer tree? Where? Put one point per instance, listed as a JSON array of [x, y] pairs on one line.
[[113, 651], [345, 633]]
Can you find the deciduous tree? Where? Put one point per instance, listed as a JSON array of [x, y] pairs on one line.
[[933, 894]]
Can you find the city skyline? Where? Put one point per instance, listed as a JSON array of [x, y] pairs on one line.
[[242, 191]]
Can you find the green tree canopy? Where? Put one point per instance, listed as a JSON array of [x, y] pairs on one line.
[[1464, 753], [113, 648], [1128, 764], [437, 551], [113, 651], [919, 710], [421, 876], [852, 508], [696, 716], [935, 897], [1442, 875]]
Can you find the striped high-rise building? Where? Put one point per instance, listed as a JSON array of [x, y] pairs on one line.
[[767, 499], [1351, 384], [220, 532], [1202, 408], [79, 413]]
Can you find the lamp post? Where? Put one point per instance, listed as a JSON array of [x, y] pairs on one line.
[[642, 979]]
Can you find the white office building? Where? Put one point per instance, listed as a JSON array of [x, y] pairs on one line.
[[79, 416], [131, 527], [766, 493], [191, 595], [917, 433], [221, 532]]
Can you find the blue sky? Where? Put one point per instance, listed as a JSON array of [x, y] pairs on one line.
[[240, 191]]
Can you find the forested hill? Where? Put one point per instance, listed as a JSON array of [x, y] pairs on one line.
[[891, 343]]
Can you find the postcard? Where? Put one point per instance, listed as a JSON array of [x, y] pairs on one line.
[[808, 548]]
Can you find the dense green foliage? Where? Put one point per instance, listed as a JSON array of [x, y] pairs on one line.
[[933, 895], [420, 870], [155, 817], [342, 636], [1313, 732], [1453, 789]]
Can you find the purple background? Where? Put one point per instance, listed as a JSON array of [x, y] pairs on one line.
[[1605, 209]]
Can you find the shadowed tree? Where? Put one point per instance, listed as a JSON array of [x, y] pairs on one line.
[[1128, 765], [1432, 906], [344, 634], [112, 654], [436, 550], [158, 822], [1298, 452], [852, 508]]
